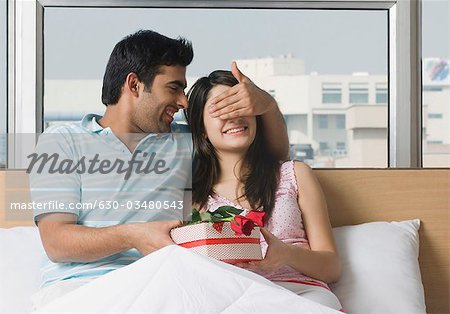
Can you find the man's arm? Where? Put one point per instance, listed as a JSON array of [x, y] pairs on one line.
[[247, 99], [65, 241]]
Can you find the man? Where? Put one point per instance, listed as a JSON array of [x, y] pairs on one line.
[[143, 87]]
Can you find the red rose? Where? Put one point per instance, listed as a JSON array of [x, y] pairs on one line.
[[257, 217], [242, 225]]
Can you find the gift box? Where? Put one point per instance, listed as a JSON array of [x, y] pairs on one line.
[[219, 241]]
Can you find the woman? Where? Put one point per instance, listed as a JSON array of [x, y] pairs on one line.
[[233, 168]]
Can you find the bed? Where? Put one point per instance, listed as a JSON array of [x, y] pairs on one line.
[[385, 269]]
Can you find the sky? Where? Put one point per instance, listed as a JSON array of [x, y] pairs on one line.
[[328, 41], [78, 41]]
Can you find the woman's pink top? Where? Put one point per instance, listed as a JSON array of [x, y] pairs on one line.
[[285, 223]]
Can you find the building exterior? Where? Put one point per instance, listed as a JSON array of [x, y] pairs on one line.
[[345, 117], [332, 120]]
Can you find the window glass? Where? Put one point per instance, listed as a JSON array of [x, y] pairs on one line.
[[3, 87], [359, 93], [323, 147], [435, 116], [323, 122], [436, 83], [381, 93], [303, 70], [340, 145], [340, 121], [331, 93]]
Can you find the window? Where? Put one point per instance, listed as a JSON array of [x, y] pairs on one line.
[[381, 93], [331, 93], [340, 151], [340, 121], [323, 146], [432, 89], [340, 145], [401, 16], [279, 68], [3, 86], [359, 93], [323, 121], [436, 83]]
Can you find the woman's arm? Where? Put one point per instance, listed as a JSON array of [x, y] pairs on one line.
[[322, 261]]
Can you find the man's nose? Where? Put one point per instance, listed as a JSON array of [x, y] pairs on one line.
[[182, 102]]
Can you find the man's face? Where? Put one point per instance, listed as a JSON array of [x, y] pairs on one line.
[[155, 109]]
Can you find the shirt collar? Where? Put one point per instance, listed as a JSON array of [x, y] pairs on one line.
[[90, 123]]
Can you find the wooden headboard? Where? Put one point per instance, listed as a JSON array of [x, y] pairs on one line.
[[356, 196]]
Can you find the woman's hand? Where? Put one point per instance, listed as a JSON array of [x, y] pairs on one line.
[[276, 255]]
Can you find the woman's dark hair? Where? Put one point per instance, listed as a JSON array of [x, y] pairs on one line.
[[142, 53], [261, 179]]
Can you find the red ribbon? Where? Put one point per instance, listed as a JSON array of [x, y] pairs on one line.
[[203, 242]]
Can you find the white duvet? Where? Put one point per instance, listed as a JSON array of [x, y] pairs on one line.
[[175, 280]]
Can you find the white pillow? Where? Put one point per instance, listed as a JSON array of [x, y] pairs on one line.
[[21, 254], [380, 268]]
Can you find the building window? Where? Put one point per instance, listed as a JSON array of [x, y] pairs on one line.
[[340, 150], [435, 84], [331, 93], [340, 121], [323, 121], [381, 93], [323, 146], [432, 89], [359, 93]]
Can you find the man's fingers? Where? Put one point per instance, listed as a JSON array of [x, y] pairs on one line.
[[237, 73], [233, 115], [216, 103], [226, 106]]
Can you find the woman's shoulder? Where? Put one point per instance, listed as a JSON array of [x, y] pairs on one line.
[[296, 165], [296, 171]]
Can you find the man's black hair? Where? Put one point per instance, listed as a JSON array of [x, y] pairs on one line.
[[142, 53]]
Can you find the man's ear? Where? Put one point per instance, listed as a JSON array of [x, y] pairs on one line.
[[132, 84]]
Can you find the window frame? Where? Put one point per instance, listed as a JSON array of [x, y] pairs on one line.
[[4, 81], [25, 51]]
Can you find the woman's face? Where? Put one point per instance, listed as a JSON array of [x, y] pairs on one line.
[[234, 135]]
